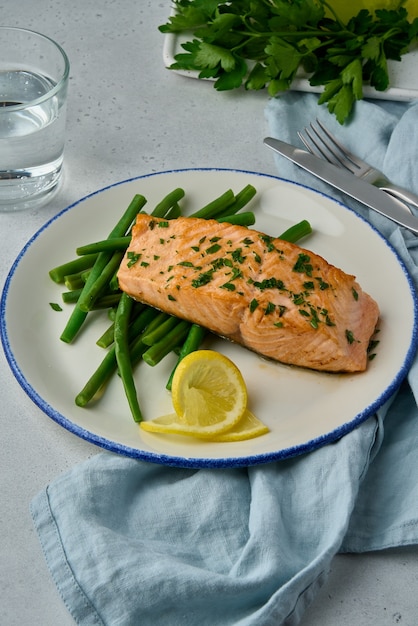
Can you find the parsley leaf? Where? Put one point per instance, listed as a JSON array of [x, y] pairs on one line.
[[209, 55]]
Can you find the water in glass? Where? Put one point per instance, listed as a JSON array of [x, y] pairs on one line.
[[31, 137]]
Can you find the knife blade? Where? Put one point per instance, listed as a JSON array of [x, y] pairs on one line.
[[346, 182]]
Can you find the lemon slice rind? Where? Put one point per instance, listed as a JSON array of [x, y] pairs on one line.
[[248, 427], [171, 425]]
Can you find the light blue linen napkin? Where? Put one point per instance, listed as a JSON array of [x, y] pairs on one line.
[[131, 543]]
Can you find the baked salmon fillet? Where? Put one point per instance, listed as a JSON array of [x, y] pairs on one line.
[[273, 297]]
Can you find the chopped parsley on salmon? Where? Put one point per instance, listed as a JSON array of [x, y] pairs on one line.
[[273, 297]]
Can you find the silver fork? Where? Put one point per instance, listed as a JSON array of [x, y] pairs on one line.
[[319, 141]]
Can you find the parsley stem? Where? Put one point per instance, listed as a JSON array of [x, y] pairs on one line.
[[332, 11], [296, 34]]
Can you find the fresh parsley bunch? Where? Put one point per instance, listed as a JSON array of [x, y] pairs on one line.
[[265, 43]]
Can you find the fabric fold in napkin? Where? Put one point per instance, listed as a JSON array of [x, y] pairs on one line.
[[131, 543]]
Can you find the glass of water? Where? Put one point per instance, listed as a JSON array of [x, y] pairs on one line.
[[34, 74]]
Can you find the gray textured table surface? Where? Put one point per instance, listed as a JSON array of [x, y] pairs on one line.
[[128, 116]]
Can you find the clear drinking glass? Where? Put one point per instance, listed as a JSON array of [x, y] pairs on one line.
[[34, 74]]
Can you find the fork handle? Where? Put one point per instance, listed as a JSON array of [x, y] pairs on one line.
[[402, 194]]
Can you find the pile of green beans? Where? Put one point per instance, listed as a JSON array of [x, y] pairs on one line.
[[138, 332]]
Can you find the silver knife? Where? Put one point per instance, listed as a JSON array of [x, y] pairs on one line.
[[346, 182]]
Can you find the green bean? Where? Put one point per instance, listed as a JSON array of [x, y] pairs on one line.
[[106, 245], [79, 313], [109, 365], [73, 325], [76, 266], [74, 281], [147, 318], [296, 232], [76, 319], [101, 281], [111, 314], [217, 206], [154, 322], [247, 218], [107, 301], [152, 336], [174, 338], [192, 343], [98, 379], [114, 282], [174, 212], [136, 350], [125, 222], [122, 354], [107, 263], [71, 297], [106, 339], [151, 319], [242, 198], [168, 202]]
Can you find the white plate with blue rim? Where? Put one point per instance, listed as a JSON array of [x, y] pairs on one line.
[[303, 409]]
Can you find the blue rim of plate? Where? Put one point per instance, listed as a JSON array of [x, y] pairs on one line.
[[197, 462]]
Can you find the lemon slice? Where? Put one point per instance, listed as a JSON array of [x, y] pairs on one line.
[[248, 427], [171, 425], [209, 397], [210, 401]]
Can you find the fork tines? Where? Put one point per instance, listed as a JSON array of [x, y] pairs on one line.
[[319, 141]]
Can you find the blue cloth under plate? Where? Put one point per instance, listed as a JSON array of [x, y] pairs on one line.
[[130, 543]]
